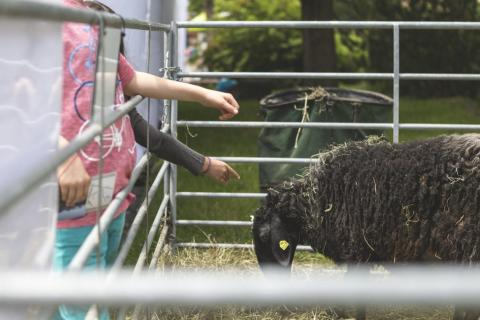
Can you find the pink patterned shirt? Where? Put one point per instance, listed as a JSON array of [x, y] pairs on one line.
[[80, 45]]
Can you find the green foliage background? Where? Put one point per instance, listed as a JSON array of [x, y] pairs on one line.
[[423, 51], [358, 50]]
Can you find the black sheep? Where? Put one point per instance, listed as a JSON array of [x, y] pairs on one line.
[[376, 202]]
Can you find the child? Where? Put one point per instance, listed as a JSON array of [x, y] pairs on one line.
[[80, 43]]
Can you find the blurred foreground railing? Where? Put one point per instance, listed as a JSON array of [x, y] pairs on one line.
[[400, 285]]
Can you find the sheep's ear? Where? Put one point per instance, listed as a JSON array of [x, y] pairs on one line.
[[283, 247]]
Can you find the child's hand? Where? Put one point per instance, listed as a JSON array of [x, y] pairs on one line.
[[219, 170], [224, 102], [73, 181]]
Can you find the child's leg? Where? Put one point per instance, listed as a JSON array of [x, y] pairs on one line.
[[67, 243], [115, 232]]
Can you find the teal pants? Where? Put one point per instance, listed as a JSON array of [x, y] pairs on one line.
[[67, 243]]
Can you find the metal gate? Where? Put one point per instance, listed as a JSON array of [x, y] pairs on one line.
[[395, 76]]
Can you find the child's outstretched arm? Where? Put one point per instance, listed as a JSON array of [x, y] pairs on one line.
[[172, 150], [148, 85]]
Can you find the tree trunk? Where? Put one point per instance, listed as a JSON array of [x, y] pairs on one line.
[[318, 44], [209, 8]]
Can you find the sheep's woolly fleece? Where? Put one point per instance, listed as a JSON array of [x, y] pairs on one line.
[[372, 201]]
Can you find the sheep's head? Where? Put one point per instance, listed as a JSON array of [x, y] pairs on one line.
[[275, 240]]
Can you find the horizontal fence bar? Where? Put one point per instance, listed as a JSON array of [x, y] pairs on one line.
[[227, 246], [221, 195], [443, 25], [219, 223], [213, 245], [324, 125], [288, 75], [286, 24], [92, 240], [33, 176], [332, 75], [261, 124], [438, 25], [427, 126], [425, 285], [132, 232], [440, 76], [266, 160], [57, 12]]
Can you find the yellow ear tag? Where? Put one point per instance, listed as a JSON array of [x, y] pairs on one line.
[[283, 244]]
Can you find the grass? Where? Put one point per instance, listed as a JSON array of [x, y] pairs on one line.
[[457, 110], [222, 260]]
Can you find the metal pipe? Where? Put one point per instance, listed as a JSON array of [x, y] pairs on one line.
[[396, 83], [338, 125], [439, 25], [229, 246], [143, 253], [33, 176], [287, 24], [443, 25], [153, 230], [261, 124], [122, 255], [222, 195], [214, 223], [440, 76], [165, 128], [416, 285], [161, 242], [332, 75], [92, 239], [57, 12], [266, 160], [289, 75], [166, 119], [214, 245], [438, 126], [173, 46]]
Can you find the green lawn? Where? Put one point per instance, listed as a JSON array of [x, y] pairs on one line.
[[456, 110], [242, 142]]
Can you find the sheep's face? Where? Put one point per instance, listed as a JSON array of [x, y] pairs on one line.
[[275, 240]]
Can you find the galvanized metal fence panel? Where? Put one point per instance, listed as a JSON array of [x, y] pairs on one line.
[[395, 76]]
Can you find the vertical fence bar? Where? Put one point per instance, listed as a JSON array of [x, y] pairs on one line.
[[396, 82], [173, 45], [166, 108]]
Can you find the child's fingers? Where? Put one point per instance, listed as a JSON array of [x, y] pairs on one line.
[[232, 172], [226, 116], [84, 190], [64, 192], [232, 101], [74, 195], [229, 108], [69, 194]]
